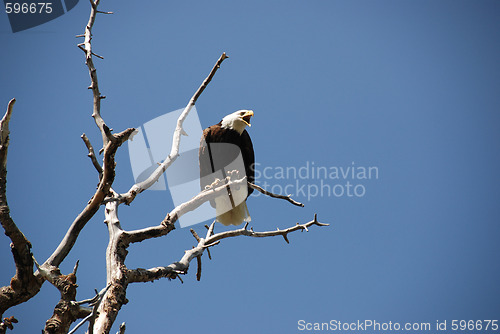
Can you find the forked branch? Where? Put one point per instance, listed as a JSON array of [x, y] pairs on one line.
[[95, 303], [168, 222], [108, 176], [181, 267], [67, 310]]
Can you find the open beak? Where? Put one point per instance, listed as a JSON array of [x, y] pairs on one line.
[[246, 117]]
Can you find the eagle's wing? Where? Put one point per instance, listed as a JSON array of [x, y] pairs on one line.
[[205, 160], [215, 157], [248, 158]]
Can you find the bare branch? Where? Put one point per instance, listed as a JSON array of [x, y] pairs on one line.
[[4, 126], [80, 324], [181, 267], [86, 47], [208, 79], [251, 233], [24, 284], [7, 323], [91, 154], [176, 140], [75, 268], [148, 275], [268, 193], [198, 258], [210, 231], [198, 272], [116, 253], [121, 329], [96, 303], [195, 235]]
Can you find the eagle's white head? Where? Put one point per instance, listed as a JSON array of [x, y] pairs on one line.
[[237, 120]]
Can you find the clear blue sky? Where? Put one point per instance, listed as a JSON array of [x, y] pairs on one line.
[[409, 87]]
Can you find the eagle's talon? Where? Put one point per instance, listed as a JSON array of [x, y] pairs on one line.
[[213, 184]]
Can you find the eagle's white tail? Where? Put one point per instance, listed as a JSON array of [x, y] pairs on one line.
[[234, 216]]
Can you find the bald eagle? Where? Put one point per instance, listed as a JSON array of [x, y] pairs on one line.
[[226, 147]]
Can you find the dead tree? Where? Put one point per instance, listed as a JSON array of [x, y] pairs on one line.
[[105, 305]]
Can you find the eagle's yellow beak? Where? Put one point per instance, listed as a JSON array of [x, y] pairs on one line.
[[246, 117]]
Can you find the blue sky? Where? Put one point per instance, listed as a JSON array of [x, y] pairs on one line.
[[408, 87]]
